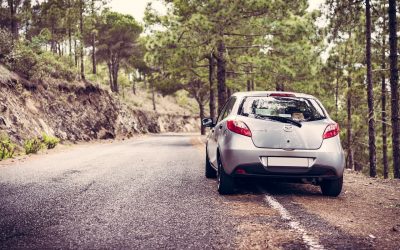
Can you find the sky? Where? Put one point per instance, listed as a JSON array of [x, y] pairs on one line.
[[136, 7]]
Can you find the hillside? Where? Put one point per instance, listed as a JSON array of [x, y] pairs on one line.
[[76, 111]]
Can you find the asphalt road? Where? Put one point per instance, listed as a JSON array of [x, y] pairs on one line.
[[149, 193]]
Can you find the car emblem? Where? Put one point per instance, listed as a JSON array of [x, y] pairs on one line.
[[288, 128]]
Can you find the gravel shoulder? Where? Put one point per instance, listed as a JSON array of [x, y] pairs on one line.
[[368, 210], [365, 216]]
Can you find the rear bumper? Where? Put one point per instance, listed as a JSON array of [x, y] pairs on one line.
[[258, 170], [238, 151]]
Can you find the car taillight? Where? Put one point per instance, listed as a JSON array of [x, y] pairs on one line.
[[331, 130], [238, 127]]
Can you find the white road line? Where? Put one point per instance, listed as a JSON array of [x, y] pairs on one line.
[[311, 242]]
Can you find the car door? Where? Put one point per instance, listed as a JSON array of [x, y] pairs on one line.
[[217, 131]]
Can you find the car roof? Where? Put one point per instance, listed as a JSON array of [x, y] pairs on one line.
[[267, 93]]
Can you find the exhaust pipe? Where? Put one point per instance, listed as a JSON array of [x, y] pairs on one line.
[[312, 181]]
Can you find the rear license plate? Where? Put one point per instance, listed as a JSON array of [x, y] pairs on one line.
[[287, 162]]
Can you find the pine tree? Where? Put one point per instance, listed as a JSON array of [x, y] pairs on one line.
[[394, 78]]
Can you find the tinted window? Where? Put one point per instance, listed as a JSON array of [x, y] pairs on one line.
[[295, 108], [227, 109]]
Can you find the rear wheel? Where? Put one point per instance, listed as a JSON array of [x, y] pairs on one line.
[[226, 183], [210, 171], [332, 187]]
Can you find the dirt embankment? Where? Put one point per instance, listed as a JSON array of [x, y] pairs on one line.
[[75, 111]]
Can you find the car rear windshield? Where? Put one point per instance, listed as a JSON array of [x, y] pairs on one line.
[[294, 108]]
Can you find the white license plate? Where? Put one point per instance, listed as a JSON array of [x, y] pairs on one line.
[[287, 162]]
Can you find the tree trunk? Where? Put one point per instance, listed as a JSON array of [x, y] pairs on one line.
[[212, 88], [383, 99], [70, 31], [52, 41], [394, 78], [280, 87], [228, 92], [248, 82], [13, 22], [153, 96], [75, 53], [81, 42], [337, 91], [110, 75], [134, 87], [94, 68], [350, 155], [144, 80], [253, 84], [115, 76], [371, 119], [221, 74], [201, 108], [70, 41]]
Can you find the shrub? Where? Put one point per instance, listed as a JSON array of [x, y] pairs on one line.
[[7, 148], [32, 146], [31, 62], [6, 45], [25, 61], [55, 66], [49, 142]]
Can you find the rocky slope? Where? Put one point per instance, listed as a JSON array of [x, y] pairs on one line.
[[75, 111]]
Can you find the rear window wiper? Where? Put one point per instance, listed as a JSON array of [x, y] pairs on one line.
[[280, 119]]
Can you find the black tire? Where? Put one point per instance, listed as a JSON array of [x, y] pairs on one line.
[[210, 171], [226, 183], [332, 187]]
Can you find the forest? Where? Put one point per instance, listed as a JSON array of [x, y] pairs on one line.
[[345, 53]]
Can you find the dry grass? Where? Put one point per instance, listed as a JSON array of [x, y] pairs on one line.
[[178, 103]]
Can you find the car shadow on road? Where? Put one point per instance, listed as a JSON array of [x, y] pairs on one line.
[[276, 187]]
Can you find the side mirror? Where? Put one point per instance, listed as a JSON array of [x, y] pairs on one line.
[[207, 122]]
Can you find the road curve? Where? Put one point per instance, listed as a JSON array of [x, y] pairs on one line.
[[151, 193]]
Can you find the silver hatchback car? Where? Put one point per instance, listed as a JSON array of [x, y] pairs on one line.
[[278, 135]]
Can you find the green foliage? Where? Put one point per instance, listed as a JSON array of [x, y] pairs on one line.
[[6, 45], [55, 66], [32, 146], [32, 63], [117, 42], [49, 142], [7, 148], [101, 76]]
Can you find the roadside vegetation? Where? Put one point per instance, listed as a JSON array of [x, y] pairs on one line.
[[34, 145], [7, 148], [345, 53], [49, 142]]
